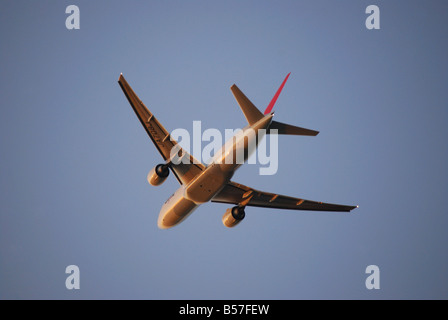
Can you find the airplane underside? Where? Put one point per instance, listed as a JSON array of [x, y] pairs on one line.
[[201, 184]]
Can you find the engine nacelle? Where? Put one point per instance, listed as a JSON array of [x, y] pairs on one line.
[[233, 216], [158, 174]]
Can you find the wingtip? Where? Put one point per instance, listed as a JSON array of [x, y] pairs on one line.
[[121, 79]]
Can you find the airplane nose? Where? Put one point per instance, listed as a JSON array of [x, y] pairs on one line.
[[170, 219], [164, 221], [161, 224], [174, 211]]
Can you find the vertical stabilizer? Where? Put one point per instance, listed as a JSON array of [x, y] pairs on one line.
[[274, 99]]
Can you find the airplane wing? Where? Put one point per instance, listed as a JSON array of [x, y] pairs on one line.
[[184, 171], [235, 193]]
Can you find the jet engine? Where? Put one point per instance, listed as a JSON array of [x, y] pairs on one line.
[[233, 216], [158, 174]]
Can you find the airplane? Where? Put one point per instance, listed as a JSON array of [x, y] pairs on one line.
[[200, 183]]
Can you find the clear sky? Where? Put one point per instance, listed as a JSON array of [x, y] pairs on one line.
[[74, 157]]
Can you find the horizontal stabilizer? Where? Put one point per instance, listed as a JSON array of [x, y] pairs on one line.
[[284, 128], [250, 111]]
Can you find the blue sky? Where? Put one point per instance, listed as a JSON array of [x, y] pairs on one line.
[[74, 156]]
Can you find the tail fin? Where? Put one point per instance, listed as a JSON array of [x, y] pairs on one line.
[[274, 99], [250, 111], [284, 128]]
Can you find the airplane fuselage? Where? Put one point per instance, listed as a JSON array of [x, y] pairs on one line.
[[210, 182]]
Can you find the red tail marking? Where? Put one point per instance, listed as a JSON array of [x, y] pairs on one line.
[[271, 104]]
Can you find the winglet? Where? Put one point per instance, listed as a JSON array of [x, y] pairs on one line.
[[274, 99]]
